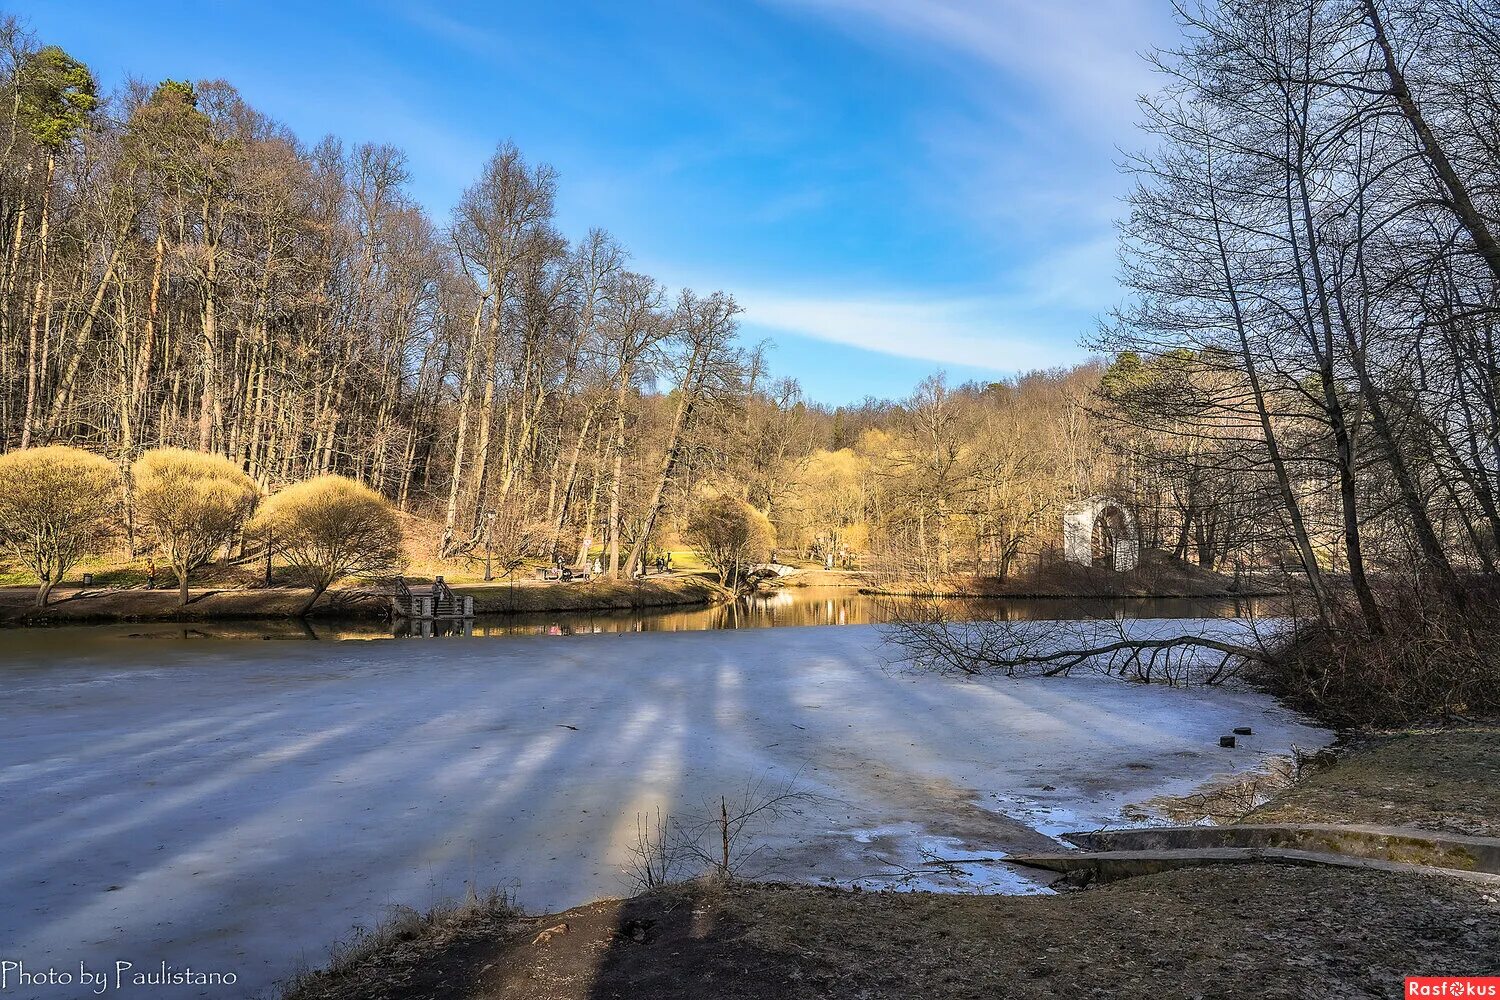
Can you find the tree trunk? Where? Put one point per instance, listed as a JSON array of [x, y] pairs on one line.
[[1458, 193], [318, 592], [465, 393], [80, 343], [614, 481], [38, 303], [1268, 433], [567, 491], [208, 404], [587, 541], [148, 334], [668, 466], [1342, 434]]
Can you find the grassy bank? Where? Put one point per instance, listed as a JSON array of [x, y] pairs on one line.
[[816, 576], [594, 595], [1439, 779], [1246, 932], [1159, 575], [79, 605], [1253, 932]]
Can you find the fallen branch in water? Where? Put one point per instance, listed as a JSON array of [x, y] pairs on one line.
[[930, 636]]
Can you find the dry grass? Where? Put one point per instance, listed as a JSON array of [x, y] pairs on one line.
[[1434, 661], [1252, 932], [1159, 575], [1233, 799], [405, 937], [1435, 779]]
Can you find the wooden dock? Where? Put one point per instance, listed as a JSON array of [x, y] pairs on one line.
[[436, 602]]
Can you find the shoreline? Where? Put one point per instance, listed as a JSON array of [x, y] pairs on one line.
[[1060, 595], [1240, 927], [1079, 583], [1156, 578], [125, 605], [95, 606]]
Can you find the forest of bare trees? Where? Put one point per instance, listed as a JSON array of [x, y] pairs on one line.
[[1312, 246], [180, 270]]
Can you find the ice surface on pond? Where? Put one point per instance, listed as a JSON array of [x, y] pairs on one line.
[[237, 805]]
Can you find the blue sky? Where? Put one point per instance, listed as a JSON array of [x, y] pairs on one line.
[[888, 188]]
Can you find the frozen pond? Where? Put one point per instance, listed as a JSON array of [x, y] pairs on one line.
[[235, 805]]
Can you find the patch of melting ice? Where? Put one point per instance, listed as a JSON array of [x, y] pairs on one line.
[[926, 863], [910, 859], [1051, 820]]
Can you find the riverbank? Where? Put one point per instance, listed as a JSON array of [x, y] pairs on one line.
[[85, 605], [1246, 932], [1159, 575], [1437, 779]]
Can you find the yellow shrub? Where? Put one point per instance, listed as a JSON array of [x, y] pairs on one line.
[[57, 505], [730, 535], [329, 528], [192, 503]]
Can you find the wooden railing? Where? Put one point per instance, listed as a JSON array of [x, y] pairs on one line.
[[429, 603]]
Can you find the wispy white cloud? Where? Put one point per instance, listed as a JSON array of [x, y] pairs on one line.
[[976, 332], [1081, 57], [457, 32], [1044, 93], [1050, 90], [1039, 318], [1077, 275], [1038, 322]]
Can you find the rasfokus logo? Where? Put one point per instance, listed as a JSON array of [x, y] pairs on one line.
[[1453, 986]]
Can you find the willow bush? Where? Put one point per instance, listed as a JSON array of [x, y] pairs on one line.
[[192, 504], [330, 528], [57, 505]]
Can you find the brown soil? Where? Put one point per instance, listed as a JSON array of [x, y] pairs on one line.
[[1253, 932], [1244, 932]]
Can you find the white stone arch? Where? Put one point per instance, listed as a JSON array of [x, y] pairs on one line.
[[1079, 522]]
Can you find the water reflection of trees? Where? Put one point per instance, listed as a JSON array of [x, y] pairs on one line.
[[832, 606], [786, 607]]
